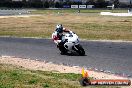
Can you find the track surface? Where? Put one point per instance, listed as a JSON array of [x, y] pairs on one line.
[[13, 12], [108, 56]]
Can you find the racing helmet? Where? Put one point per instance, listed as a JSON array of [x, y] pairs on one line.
[[59, 28]]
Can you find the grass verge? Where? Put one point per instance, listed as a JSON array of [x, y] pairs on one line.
[[17, 77], [14, 77]]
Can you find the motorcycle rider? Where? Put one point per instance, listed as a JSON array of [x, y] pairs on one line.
[[57, 37]]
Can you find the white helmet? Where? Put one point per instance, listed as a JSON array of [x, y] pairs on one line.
[[59, 26]]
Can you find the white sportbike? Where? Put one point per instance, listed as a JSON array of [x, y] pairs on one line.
[[72, 44]]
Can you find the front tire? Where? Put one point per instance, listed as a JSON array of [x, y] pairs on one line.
[[80, 50], [63, 50]]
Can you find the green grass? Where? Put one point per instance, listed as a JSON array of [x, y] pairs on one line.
[[16, 77], [11, 77]]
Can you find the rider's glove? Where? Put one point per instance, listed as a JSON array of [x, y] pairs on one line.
[[63, 42]]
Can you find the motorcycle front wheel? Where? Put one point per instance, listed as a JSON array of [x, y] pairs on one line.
[[80, 50], [63, 50]]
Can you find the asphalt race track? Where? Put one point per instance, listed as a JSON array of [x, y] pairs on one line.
[[7, 12], [115, 57]]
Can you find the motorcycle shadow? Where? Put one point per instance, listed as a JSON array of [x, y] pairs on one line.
[[73, 54]]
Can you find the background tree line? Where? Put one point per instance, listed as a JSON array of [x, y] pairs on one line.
[[53, 4]]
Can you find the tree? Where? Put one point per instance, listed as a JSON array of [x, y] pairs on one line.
[[36, 3], [57, 5], [130, 4], [46, 4], [52, 3], [116, 3], [90, 2], [100, 3], [25, 3]]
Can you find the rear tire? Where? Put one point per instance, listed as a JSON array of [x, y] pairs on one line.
[[80, 50]]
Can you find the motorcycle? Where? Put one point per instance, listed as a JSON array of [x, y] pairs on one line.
[[71, 44]]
